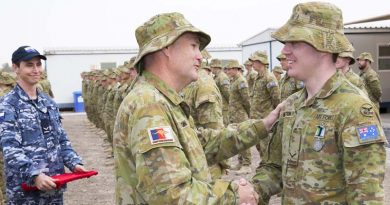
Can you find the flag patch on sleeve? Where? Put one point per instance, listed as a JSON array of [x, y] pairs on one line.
[[368, 133], [158, 135]]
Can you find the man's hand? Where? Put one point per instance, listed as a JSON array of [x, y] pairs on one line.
[[80, 168], [44, 182], [273, 116], [247, 194]]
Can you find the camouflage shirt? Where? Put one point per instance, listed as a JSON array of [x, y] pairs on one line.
[[355, 80], [205, 101], [239, 103], [158, 156], [250, 78], [223, 84], [373, 86], [33, 142], [289, 86], [265, 95], [328, 150]]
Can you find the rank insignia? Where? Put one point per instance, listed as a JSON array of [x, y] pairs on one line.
[[367, 110]]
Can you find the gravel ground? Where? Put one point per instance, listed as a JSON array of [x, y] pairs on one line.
[[91, 144]]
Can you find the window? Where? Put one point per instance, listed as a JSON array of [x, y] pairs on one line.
[[384, 57], [106, 65]]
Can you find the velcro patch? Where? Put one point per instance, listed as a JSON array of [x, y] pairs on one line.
[[158, 135], [368, 133], [367, 110]]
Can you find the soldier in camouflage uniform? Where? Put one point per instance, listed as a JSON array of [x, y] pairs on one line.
[[223, 84], [328, 147], [159, 158], [45, 84], [265, 95], [251, 74], [239, 108], [370, 78], [344, 61], [205, 103], [278, 72], [34, 144], [108, 108], [288, 85], [128, 74]]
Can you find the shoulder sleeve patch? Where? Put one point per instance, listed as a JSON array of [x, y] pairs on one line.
[[368, 133], [6, 116], [225, 82], [158, 135], [243, 85], [271, 84]]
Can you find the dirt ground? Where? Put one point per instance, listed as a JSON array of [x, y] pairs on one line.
[[90, 143]]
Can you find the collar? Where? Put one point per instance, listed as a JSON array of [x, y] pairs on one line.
[[40, 98], [365, 70], [161, 86], [328, 89]]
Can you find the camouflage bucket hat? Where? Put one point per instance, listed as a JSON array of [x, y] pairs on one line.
[[259, 56], [281, 56], [7, 79], [365, 56], [278, 69], [232, 64], [319, 24], [205, 54], [161, 31], [215, 63], [248, 62], [349, 55], [131, 62]]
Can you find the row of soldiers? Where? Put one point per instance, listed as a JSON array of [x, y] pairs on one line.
[[103, 91], [221, 96], [7, 83]]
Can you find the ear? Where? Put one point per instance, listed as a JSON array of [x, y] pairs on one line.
[[15, 68], [166, 51]]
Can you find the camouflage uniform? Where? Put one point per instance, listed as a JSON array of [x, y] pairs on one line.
[[324, 159], [348, 73], [31, 147], [328, 149], [239, 106], [371, 80], [175, 171], [223, 84], [250, 76], [265, 95], [158, 156], [277, 71], [45, 85], [289, 86], [205, 103]]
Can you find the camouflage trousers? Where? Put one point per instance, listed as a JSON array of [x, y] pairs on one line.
[[244, 158]]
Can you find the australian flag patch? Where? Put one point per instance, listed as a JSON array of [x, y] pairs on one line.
[[159, 135], [368, 133]]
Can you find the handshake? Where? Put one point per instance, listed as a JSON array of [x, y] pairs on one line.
[[246, 192]]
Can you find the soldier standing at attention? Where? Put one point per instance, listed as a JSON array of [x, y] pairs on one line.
[[223, 84], [370, 78], [344, 60], [34, 144], [265, 95], [288, 85], [159, 158], [239, 107], [328, 147]]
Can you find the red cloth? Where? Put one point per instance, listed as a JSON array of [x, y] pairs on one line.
[[62, 179]]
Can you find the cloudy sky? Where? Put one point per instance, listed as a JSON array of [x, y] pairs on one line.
[[97, 23]]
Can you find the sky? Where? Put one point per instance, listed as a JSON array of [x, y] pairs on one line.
[[48, 24]]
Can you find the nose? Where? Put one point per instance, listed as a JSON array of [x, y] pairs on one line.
[[286, 48]]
